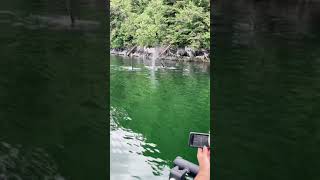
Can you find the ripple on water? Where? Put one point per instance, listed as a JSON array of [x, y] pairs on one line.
[[128, 152], [18, 162]]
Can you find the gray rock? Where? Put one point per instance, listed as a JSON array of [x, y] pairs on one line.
[[199, 52], [182, 52], [190, 52], [140, 50]]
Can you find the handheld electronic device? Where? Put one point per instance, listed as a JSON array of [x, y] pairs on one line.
[[199, 139]]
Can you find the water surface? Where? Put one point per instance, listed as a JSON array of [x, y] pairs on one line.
[[154, 106], [266, 90], [53, 92]]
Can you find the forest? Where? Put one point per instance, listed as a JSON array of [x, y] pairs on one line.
[[150, 23]]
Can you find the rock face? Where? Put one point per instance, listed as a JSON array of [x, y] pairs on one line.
[[190, 52], [185, 54], [182, 52], [140, 50]]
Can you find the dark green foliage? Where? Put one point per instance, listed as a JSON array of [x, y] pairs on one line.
[[160, 22]]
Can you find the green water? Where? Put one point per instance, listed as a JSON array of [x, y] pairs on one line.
[[53, 94], [266, 90], [152, 112]]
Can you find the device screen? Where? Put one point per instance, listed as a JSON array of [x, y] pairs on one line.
[[199, 140]]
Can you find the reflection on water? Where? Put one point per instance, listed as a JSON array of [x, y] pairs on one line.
[[138, 64], [128, 149], [153, 109]]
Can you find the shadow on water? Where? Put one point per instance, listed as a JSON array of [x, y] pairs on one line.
[[53, 92], [153, 109], [266, 92]]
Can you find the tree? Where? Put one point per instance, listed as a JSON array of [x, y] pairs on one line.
[[160, 22]]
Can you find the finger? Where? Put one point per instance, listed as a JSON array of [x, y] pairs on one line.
[[205, 150], [199, 150], [199, 154]]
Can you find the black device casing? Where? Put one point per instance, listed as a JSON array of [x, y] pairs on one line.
[[191, 135]]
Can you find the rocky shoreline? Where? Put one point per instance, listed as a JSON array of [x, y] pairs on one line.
[[164, 53]]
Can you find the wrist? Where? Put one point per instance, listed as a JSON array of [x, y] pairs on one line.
[[204, 172]]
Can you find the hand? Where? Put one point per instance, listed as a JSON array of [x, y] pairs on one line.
[[204, 164]]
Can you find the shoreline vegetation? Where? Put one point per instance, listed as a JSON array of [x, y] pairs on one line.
[[161, 29]]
